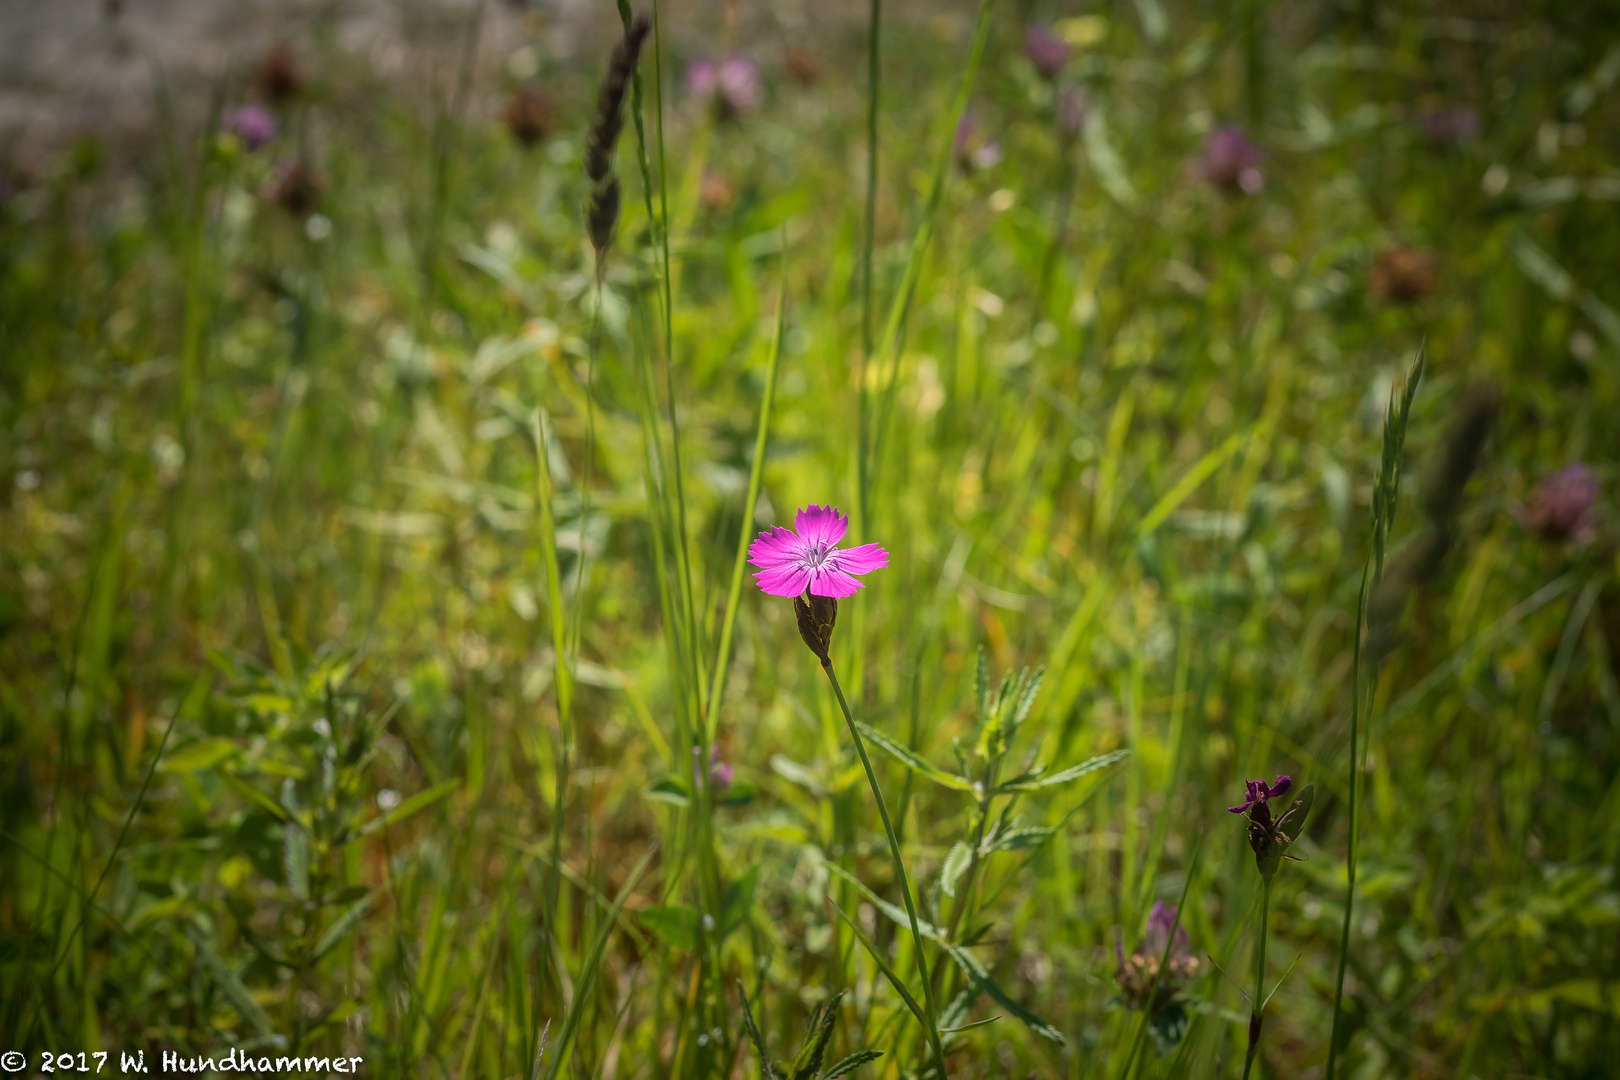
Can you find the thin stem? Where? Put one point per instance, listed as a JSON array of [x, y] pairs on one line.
[[873, 75], [899, 867], [1350, 857], [1258, 1005]]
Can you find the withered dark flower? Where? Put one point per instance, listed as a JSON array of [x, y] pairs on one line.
[[1449, 127], [297, 187], [715, 192], [1403, 275], [1137, 972], [1270, 837], [803, 65], [278, 75], [529, 115], [1561, 507]]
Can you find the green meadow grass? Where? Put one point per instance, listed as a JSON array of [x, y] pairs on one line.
[[372, 599]]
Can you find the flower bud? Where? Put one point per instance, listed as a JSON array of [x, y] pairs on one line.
[[816, 619]]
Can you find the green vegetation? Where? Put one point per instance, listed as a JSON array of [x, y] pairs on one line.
[[380, 675]]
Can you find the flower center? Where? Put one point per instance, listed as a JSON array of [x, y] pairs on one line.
[[815, 555]]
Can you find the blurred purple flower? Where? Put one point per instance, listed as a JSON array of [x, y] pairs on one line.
[[1071, 112], [1137, 972], [255, 125], [1561, 506], [721, 774], [973, 152], [1048, 52], [732, 83], [1232, 160], [1442, 128]]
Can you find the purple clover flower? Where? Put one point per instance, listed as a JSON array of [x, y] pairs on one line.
[[1561, 506], [255, 125], [1048, 52], [1232, 160], [1137, 972], [731, 83], [792, 562]]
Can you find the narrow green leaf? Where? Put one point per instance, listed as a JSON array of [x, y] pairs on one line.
[[851, 1063], [896, 915], [756, 479], [956, 863], [258, 798], [969, 1027], [1027, 837], [231, 986], [420, 801], [590, 969], [1201, 471], [669, 790], [981, 976], [341, 927], [200, 755], [766, 1071], [883, 965], [808, 1063], [911, 760], [1073, 772]]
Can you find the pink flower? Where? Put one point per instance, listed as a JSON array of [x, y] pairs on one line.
[[1046, 50], [1561, 506], [254, 125], [972, 150], [790, 562], [1232, 161], [732, 83]]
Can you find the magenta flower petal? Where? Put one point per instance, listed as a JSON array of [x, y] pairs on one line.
[[831, 581], [822, 525], [784, 580], [863, 559], [775, 547]]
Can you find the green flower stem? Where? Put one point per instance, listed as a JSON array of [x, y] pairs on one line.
[[899, 868], [1258, 1004]]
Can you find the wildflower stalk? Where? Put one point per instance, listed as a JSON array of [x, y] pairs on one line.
[[756, 479], [1384, 497], [899, 866], [873, 74], [1258, 1005]]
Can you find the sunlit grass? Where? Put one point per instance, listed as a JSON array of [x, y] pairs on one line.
[[372, 603]]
